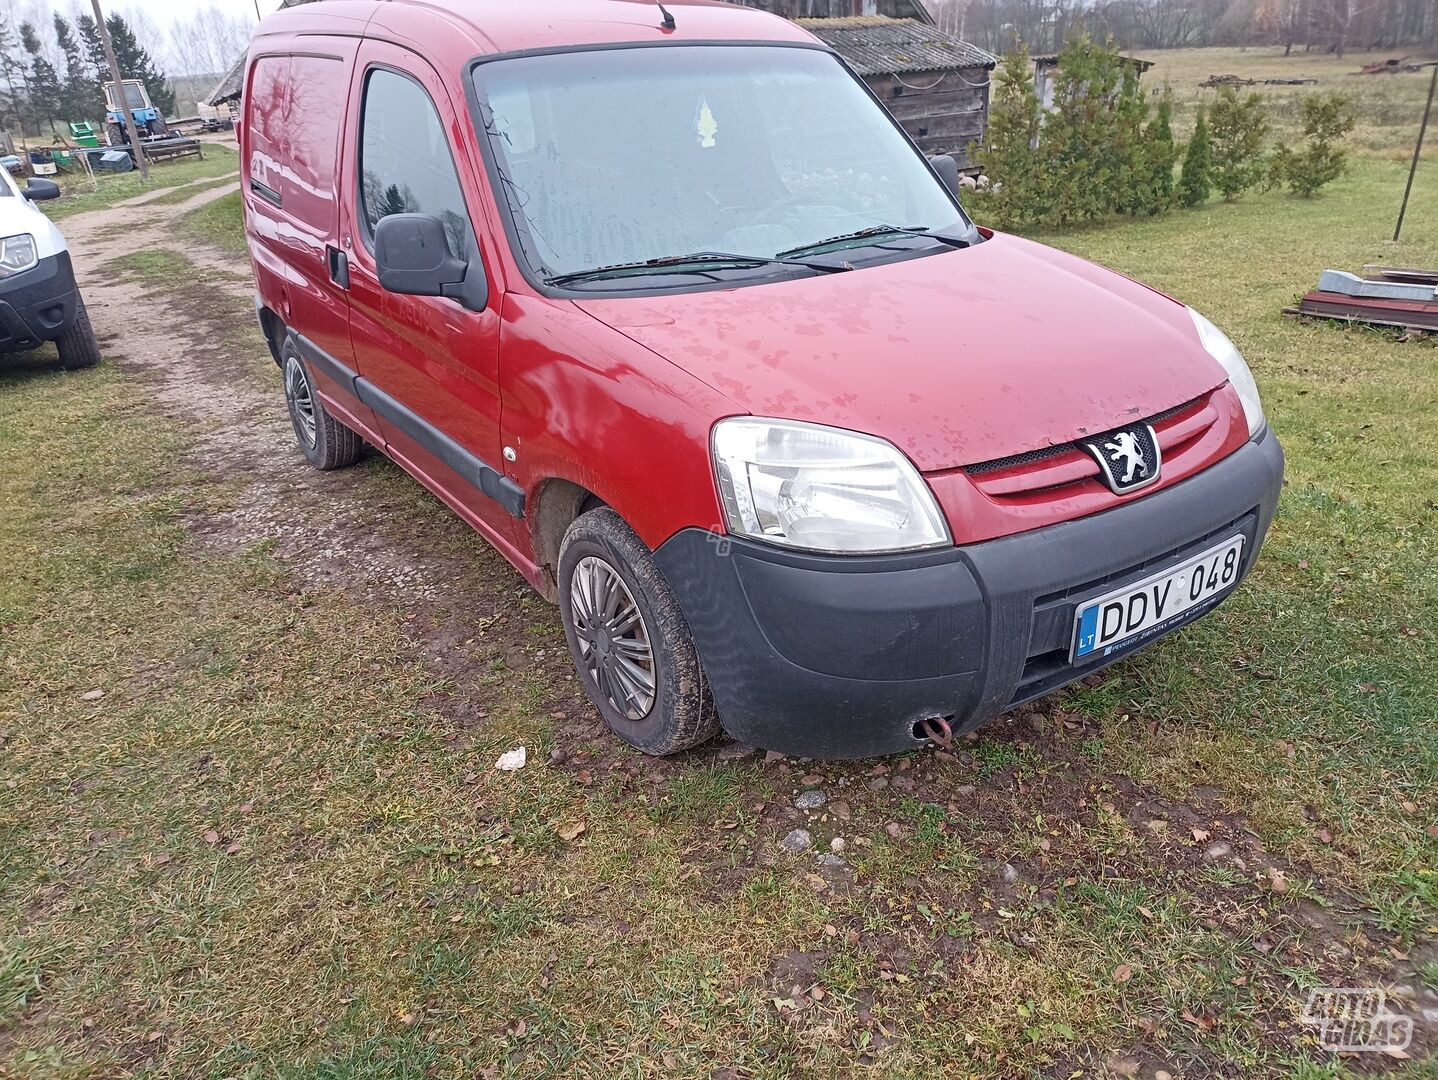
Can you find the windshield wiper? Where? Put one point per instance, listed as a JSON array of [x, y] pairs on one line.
[[874, 231], [678, 264]]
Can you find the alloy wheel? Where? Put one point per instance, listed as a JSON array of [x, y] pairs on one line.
[[301, 398], [614, 643]]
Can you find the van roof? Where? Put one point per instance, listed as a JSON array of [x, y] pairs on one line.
[[447, 28]]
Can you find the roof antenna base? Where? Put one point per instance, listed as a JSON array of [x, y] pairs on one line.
[[667, 22]]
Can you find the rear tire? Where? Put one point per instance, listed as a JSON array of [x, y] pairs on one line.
[[77, 345], [630, 640], [115, 135], [325, 441]]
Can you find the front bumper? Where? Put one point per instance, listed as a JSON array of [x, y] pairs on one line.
[[39, 304], [839, 657]]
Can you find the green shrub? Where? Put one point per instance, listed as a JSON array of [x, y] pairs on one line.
[[1236, 131], [1195, 179], [1160, 154], [1015, 192], [1078, 153], [1326, 119], [1131, 175]]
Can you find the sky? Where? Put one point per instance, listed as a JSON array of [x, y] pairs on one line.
[[165, 12]]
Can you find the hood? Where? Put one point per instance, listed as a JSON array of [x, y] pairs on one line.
[[958, 357]]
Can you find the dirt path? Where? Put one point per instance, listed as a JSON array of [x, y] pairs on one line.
[[356, 529]]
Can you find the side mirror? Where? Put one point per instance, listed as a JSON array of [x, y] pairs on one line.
[[411, 252], [948, 170], [41, 190]]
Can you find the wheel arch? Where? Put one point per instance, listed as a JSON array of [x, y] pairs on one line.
[[555, 505], [274, 329]]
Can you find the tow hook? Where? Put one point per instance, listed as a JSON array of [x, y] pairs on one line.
[[937, 730]]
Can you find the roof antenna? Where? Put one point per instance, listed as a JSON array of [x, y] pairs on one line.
[[668, 21]]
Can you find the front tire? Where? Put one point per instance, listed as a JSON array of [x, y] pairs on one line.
[[630, 640], [326, 442], [77, 345]]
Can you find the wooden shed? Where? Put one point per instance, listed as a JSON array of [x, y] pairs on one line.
[[835, 9], [936, 86]]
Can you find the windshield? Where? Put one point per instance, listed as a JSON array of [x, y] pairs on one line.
[[620, 156], [134, 95]]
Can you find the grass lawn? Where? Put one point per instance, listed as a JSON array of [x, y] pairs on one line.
[[1387, 107], [109, 188], [250, 825]]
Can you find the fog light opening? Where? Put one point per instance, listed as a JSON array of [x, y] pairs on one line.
[[934, 729]]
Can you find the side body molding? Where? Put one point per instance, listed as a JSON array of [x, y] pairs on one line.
[[478, 472]]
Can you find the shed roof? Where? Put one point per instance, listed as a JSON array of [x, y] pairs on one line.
[[876, 45], [233, 84]]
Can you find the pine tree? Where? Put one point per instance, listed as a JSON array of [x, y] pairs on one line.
[[80, 87], [1236, 130], [1326, 120], [1195, 180], [1161, 154], [1079, 151], [12, 107], [1014, 195], [42, 84], [136, 63], [1131, 171]]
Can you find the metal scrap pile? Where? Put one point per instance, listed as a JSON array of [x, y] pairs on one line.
[[1384, 296]]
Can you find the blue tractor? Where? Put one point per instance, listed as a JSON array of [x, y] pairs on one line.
[[149, 124]]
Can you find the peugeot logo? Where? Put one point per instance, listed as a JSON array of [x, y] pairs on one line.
[[1128, 458]]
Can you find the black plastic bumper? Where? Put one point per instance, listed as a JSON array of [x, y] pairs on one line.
[[39, 304], [836, 657]]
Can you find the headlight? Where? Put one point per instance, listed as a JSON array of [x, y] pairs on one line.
[[822, 488], [1227, 354], [17, 253]]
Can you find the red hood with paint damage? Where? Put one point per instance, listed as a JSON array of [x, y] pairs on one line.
[[958, 357]]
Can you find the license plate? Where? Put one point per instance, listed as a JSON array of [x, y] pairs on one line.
[[1148, 607]]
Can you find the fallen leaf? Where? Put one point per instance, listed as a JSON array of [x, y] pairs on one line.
[[162, 858], [247, 808], [233, 849], [1200, 835], [1277, 882], [96, 695], [1202, 1021], [1123, 973], [571, 830], [1409, 806], [211, 837]]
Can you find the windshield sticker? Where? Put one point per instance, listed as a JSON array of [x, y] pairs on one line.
[[705, 124]]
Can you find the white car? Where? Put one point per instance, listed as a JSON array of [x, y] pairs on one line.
[[39, 300]]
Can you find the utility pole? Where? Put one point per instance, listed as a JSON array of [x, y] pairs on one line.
[[1417, 150], [121, 98]]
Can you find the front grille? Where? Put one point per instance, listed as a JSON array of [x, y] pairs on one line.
[[1043, 453]]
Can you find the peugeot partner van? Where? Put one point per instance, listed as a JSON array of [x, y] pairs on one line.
[[664, 304]]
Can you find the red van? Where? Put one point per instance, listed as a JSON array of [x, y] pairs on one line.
[[664, 304]]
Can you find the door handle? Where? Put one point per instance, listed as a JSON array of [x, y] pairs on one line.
[[339, 266]]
